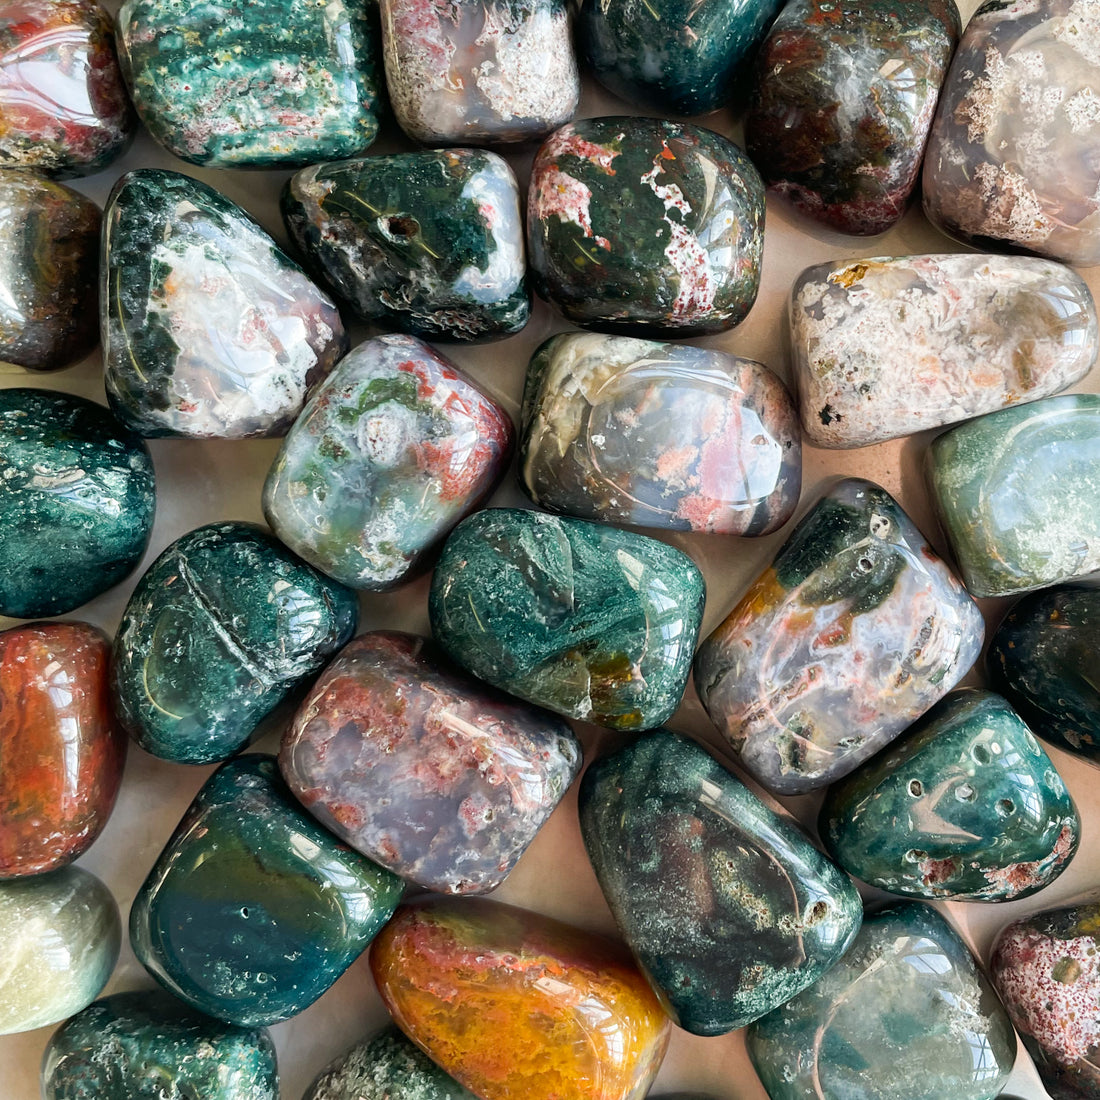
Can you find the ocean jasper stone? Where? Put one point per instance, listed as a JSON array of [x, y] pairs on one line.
[[393, 450], [470, 71], [1018, 496], [728, 907], [270, 82], [1013, 161], [843, 98], [586, 620], [655, 435], [965, 805], [209, 329], [221, 628], [645, 226], [517, 1006], [76, 502], [149, 1046], [61, 752], [61, 938], [428, 772], [885, 347], [853, 632], [906, 1013], [429, 242], [253, 910]]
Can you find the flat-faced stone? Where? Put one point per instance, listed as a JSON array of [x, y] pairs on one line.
[[1013, 161], [965, 805], [655, 435], [1018, 495], [728, 907], [252, 910], [645, 226], [221, 628], [853, 632], [428, 242], [586, 620], [209, 329], [517, 1006], [393, 450]]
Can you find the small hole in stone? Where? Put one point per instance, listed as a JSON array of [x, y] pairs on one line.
[[818, 911], [964, 792], [1006, 806], [401, 225], [916, 788], [915, 855], [244, 912], [980, 754], [865, 565]]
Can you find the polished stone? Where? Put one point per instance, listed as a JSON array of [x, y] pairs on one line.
[[1018, 496], [729, 908], [631, 431], [906, 1013], [964, 805], [588, 621], [150, 1046], [209, 329], [223, 626], [252, 910], [393, 450], [853, 632], [518, 1006], [428, 242], [426, 771], [645, 226], [76, 502]]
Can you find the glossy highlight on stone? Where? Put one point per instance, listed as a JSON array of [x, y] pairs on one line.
[[645, 226], [222, 627], [728, 907], [588, 621], [252, 910], [853, 632], [885, 347], [518, 1006], [631, 431], [209, 329]]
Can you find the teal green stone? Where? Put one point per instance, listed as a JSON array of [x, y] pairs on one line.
[[222, 627], [728, 907], [905, 1014], [253, 910], [588, 621], [149, 1046], [966, 805], [76, 502]]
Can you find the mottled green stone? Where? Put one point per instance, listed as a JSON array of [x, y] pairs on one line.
[[728, 907]]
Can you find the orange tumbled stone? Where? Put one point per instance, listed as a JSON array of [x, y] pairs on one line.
[[518, 1006]]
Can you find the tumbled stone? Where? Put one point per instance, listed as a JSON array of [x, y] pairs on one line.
[[76, 502], [518, 1006], [61, 750], [424, 770], [478, 72], [885, 347], [586, 620], [149, 1046], [728, 907], [61, 938], [223, 626], [273, 82], [843, 99], [853, 632], [906, 1013], [253, 910], [1013, 161], [209, 329], [965, 805], [645, 226], [429, 242], [1017, 494], [393, 450], [655, 435]]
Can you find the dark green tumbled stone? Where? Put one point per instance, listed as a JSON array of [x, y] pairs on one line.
[[728, 907]]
